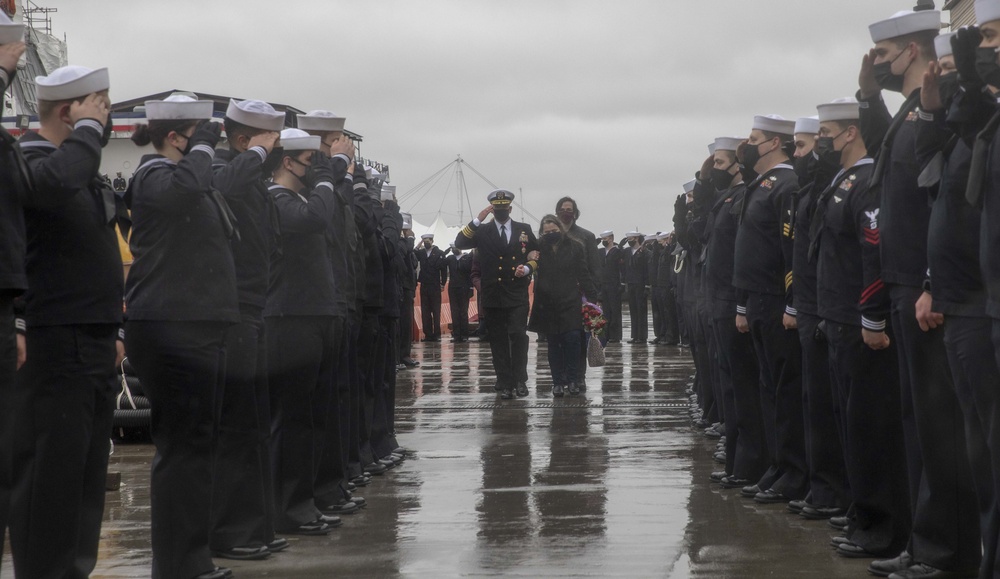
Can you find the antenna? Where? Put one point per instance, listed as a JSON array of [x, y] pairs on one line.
[[462, 191], [520, 193]]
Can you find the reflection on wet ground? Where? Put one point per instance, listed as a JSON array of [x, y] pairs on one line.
[[610, 484]]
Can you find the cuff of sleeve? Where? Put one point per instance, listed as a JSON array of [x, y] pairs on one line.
[[791, 311], [741, 310], [260, 151], [5, 78], [92, 123], [204, 149], [476, 222], [362, 186], [349, 176], [325, 184], [20, 325], [343, 158], [866, 102], [925, 115], [872, 325], [531, 268]]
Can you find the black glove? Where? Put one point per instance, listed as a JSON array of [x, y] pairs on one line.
[[320, 170], [207, 133], [680, 206], [964, 45]]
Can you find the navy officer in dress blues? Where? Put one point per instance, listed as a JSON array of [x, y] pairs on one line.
[[504, 247]]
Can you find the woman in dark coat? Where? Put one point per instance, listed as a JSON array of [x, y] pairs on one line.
[[561, 283]]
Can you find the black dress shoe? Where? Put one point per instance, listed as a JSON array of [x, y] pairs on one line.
[[401, 451], [217, 573], [924, 571], [243, 553], [839, 523], [701, 423], [360, 501], [557, 390], [886, 567], [654, 341], [816, 513], [770, 496], [278, 545], [342, 508], [522, 390], [313, 529], [717, 476], [506, 394], [719, 457], [838, 541], [797, 505], [731, 482], [361, 481], [574, 389], [376, 468], [750, 491], [713, 433], [852, 551], [330, 521], [410, 363]]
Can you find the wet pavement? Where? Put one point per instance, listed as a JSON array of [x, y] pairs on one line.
[[610, 484]]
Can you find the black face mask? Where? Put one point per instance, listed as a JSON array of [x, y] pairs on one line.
[[428, 244], [987, 67], [805, 169], [948, 86], [187, 145], [722, 178], [827, 152], [552, 238], [752, 155], [633, 242], [501, 215], [606, 243], [887, 79]]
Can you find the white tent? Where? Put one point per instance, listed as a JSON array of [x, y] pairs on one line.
[[443, 235]]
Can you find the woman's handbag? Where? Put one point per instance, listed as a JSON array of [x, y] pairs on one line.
[[595, 352]]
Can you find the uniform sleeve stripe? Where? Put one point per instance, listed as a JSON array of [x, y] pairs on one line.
[[788, 280], [871, 290], [873, 325], [741, 310], [468, 232]]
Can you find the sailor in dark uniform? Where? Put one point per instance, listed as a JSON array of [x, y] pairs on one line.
[[612, 281], [635, 282], [119, 184], [502, 248], [408, 281], [854, 302], [432, 277], [73, 315], [242, 504], [13, 280], [459, 292], [937, 464], [663, 291], [181, 297], [763, 275]]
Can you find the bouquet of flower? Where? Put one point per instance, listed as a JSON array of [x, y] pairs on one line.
[[593, 318]]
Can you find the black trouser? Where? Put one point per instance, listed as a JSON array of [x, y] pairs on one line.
[[430, 310], [8, 406], [740, 378], [708, 358], [242, 491], [972, 358], [368, 361], [181, 366], [509, 344], [654, 305], [663, 302], [942, 495], [66, 389], [827, 472], [406, 325], [779, 357], [331, 471], [356, 405], [300, 355], [458, 298], [867, 392], [638, 311], [383, 441], [563, 356], [612, 305]]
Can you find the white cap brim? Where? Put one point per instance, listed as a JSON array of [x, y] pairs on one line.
[[321, 121], [179, 111], [263, 120], [807, 125], [728, 143], [905, 22], [70, 82], [774, 124]]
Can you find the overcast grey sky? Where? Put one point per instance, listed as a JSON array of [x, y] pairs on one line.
[[612, 103]]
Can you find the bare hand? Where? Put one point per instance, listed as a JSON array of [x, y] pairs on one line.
[[533, 255], [266, 141], [22, 351], [875, 340], [866, 78], [93, 106], [742, 326], [521, 271], [343, 146], [930, 94], [926, 317], [790, 322], [485, 213], [120, 353], [10, 54]]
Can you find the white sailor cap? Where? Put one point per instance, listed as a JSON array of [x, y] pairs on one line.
[[179, 107], [632, 234], [10, 32], [500, 197], [70, 82], [607, 233], [808, 125], [942, 43], [843, 109], [689, 186], [663, 235], [774, 124], [711, 148], [299, 140], [321, 121], [905, 22], [987, 11], [427, 236], [256, 114], [728, 143], [388, 190]]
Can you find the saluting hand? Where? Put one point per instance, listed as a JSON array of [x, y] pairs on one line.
[[10, 54], [93, 106], [267, 140], [930, 93], [485, 213], [866, 78], [344, 146]]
